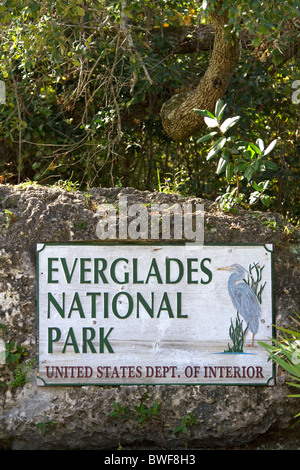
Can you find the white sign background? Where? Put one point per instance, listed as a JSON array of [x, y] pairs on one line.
[[185, 340]]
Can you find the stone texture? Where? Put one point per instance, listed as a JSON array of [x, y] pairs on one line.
[[34, 417]]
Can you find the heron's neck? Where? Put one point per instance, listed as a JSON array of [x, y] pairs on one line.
[[235, 278]]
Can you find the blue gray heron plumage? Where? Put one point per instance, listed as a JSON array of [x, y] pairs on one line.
[[243, 298]]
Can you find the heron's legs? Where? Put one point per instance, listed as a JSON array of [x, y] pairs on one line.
[[246, 332], [252, 342]]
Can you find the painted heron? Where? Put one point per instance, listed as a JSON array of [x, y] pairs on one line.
[[243, 298]]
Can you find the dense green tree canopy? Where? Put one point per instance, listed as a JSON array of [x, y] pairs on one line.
[[87, 83]]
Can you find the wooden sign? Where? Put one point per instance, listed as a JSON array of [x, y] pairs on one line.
[[154, 314]]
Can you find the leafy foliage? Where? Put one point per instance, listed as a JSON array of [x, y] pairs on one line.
[[85, 83], [142, 413], [44, 426], [22, 374], [14, 352], [186, 423], [285, 351], [238, 159]]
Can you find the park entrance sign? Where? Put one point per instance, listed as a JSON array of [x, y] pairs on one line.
[[154, 314]]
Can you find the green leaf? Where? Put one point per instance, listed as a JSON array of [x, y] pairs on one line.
[[240, 167], [220, 114], [223, 162], [265, 199], [228, 123], [216, 148], [177, 429], [256, 186], [206, 137], [219, 109], [271, 165], [255, 148], [221, 165], [263, 29], [247, 155], [204, 113], [289, 332], [36, 165], [127, 12], [229, 171], [249, 172], [256, 41], [277, 57], [42, 427], [212, 153], [80, 11]]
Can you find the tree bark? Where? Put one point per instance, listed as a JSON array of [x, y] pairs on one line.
[[178, 116]]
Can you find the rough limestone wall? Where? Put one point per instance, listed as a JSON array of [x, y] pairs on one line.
[[34, 417]]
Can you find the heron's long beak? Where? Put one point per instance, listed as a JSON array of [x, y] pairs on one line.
[[226, 268]]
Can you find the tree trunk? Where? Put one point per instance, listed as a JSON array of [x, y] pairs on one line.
[[178, 116]]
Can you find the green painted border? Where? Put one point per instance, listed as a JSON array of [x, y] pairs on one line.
[[150, 243]]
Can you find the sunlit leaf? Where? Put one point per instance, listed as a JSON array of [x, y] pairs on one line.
[[228, 123], [219, 109], [211, 122], [270, 147], [255, 148], [216, 148], [222, 164], [254, 197], [260, 144]]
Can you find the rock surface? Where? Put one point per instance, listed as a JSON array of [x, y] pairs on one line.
[[34, 417]]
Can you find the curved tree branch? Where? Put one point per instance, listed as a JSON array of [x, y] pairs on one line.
[[178, 116]]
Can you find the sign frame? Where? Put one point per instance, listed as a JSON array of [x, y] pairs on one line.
[[156, 246]]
